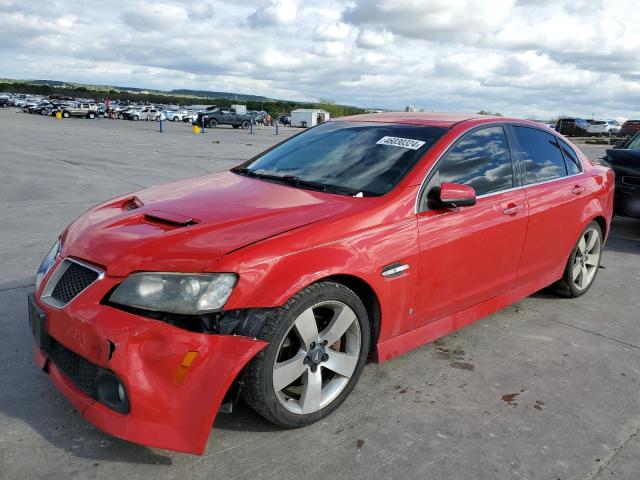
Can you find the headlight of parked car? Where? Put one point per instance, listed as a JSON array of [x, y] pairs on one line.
[[187, 294], [48, 262]]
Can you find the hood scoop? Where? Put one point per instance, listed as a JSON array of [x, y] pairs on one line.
[[169, 218]]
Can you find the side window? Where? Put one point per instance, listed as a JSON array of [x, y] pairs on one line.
[[541, 155], [480, 159], [570, 158]]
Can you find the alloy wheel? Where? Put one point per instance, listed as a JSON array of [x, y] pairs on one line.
[[317, 357], [587, 259]]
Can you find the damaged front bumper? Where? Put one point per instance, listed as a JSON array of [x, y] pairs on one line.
[[136, 378]]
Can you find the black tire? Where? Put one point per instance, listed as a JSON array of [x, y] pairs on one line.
[[120, 116], [175, 119], [65, 114], [135, 117], [213, 123], [91, 115], [258, 390], [236, 126], [245, 124], [566, 286]]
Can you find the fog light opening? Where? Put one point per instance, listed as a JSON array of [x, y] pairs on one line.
[[111, 392], [121, 397]]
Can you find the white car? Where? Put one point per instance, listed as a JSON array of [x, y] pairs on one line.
[[603, 127], [146, 113], [176, 115]]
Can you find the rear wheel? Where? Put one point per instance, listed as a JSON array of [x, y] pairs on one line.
[[584, 261], [175, 119], [91, 115], [318, 345], [213, 123], [245, 124], [65, 114]]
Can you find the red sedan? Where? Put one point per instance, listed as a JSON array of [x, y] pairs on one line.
[[358, 239]]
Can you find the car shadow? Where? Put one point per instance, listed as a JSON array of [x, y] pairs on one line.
[[624, 236], [243, 419]]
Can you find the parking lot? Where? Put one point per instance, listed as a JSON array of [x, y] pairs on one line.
[[548, 388]]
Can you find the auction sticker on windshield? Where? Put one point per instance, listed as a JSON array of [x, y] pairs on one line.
[[401, 142]]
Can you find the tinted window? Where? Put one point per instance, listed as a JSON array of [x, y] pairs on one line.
[[634, 144], [363, 157], [541, 155], [480, 159], [570, 159]]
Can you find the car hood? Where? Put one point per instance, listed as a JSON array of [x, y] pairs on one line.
[[624, 161], [187, 225]]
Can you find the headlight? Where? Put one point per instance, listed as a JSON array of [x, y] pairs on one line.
[[47, 263], [181, 293]]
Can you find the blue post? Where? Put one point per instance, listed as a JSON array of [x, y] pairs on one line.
[[277, 128], [161, 124], [202, 120], [251, 125]]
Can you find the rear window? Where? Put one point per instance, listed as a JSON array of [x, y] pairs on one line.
[[571, 159], [541, 155], [367, 158]]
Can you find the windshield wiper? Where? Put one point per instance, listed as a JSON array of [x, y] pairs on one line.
[[298, 182]]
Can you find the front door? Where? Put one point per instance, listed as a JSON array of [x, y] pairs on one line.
[[471, 254]]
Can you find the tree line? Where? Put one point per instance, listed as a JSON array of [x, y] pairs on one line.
[[274, 107]]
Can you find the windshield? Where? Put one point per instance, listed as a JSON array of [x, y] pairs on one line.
[[634, 144], [346, 157]]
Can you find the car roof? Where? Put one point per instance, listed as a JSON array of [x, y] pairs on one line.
[[446, 120]]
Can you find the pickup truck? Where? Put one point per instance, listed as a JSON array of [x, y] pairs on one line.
[[224, 116], [88, 110]]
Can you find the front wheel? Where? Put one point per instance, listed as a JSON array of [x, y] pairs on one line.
[[92, 115], [318, 345], [213, 123], [584, 261], [65, 114]]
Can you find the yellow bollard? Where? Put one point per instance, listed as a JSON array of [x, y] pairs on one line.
[[195, 128], [58, 115]]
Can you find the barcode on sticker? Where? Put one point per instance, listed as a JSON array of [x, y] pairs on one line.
[[401, 142]]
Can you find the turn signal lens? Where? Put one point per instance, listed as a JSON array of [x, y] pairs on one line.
[[187, 361]]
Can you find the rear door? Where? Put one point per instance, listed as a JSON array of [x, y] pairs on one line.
[[471, 254], [555, 185]]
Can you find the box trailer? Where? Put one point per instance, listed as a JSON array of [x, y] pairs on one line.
[[308, 117]]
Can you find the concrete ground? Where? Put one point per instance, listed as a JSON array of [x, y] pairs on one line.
[[545, 389]]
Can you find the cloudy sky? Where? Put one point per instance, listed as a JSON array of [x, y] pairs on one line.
[[520, 57]]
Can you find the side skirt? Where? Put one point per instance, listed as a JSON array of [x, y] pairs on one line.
[[432, 331]]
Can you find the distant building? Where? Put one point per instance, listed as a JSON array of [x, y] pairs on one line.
[[413, 108], [308, 117]]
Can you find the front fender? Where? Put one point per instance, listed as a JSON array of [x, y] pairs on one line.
[[269, 277]]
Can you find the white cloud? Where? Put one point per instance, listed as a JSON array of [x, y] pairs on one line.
[[275, 12], [521, 57], [332, 31], [374, 39]]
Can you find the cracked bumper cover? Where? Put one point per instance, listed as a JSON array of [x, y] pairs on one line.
[[166, 411]]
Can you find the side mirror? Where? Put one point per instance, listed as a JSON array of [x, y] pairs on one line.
[[452, 195]]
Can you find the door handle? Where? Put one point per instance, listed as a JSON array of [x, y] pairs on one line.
[[513, 209], [577, 190]]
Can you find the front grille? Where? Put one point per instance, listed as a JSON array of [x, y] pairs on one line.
[[74, 280], [79, 370], [631, 181]]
